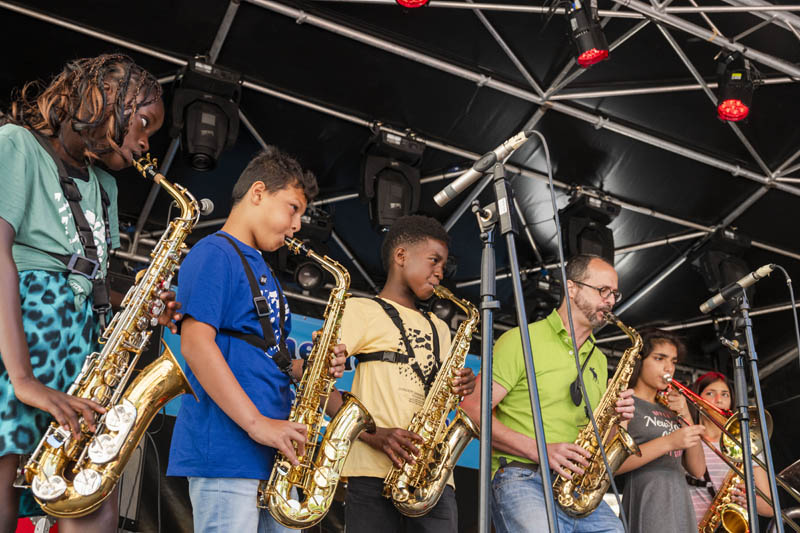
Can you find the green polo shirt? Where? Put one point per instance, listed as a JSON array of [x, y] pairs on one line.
[[555, 371]]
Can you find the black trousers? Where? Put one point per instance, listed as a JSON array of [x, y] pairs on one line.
[[367, 511]]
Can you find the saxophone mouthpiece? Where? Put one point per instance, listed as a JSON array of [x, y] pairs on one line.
[[610, 317], [296, 246]]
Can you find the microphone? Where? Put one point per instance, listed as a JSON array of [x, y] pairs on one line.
[[206, 206], [480, 166], [719, 298]]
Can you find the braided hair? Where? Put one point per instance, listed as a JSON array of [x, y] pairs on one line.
[[90, 94]]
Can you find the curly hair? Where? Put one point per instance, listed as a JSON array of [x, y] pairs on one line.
[[410, 230], [90, 94], [277, 170]]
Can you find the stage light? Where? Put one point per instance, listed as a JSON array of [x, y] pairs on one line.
[[205, 111], [584, 221], [412, 4], [586, 34], [736, 86], [308, 275], [542, 294], [720, 263], [390, 177]]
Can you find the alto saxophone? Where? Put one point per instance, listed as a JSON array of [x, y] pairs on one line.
[[320, 466], [581, 495], [415, 489], [724, 511], [71, 476]]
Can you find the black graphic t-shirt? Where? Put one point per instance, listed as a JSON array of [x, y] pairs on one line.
[[391, 392], [656, 496]]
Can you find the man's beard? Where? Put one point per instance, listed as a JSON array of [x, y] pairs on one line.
[[589, 312]]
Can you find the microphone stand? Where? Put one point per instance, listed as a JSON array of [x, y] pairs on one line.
[[503, 212], [740, 387]]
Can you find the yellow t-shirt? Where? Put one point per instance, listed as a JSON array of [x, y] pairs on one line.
[[391, 392]]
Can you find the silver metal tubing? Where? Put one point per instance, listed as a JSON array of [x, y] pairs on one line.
[[724, 42], [357, 120], [788, 180], [222, 31], [712, 97], [45, 17], [507, 49], [703, 321], [787, 21], [730, 9], [598, 121], [253, 131], [638, 295], [487, 6], [777, 363], [354, 260], [788, 161], [791, 169]]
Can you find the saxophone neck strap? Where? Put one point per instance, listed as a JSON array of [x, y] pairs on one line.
[[406, 358], [88, 264], [262, 309]]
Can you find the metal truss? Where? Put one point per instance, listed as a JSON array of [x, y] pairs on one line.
[[546, 99]]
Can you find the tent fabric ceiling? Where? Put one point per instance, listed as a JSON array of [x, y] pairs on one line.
[[340, 74]]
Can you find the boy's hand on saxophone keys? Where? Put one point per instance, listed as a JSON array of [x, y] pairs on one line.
[[284, 436], [397, 443], [170, 315], [338, 359], [464, 382]]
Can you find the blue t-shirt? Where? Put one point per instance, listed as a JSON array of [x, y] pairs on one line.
[[213, 288]]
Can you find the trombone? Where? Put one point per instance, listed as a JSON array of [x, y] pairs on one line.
[[730, 446]]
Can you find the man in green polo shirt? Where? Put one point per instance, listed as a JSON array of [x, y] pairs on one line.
[[517, 485]]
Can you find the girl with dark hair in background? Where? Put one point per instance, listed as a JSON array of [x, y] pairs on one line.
[[656, 496], [58, 223]]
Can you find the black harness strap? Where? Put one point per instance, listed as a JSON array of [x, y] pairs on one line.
[[261, 305], [87, 265], [401, 358]]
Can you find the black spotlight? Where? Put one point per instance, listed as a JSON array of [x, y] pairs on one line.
[[737, 81], [390, 177], [586, 34], [585, 223], [720, 263], [205, 109], [542, 294]]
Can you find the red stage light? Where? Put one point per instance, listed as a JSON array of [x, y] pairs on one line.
[[590, 57], [732, 109], [411, 4]]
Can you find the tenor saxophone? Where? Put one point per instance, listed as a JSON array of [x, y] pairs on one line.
[[317, 475], [581, 495], [415, 489], [71, 476]]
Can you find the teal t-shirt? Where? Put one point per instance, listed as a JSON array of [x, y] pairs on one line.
[[555, 371], [33, 203]]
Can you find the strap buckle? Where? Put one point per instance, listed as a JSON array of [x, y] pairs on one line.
[[262, 306], [83, 266]]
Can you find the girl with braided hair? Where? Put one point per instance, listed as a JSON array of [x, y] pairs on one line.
[[58, 223]]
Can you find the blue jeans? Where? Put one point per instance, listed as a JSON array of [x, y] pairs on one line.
[[519, 507], [222, 505]]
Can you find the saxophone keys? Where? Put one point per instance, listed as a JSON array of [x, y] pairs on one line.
[[87, 482], [325, 477], [48, 488]]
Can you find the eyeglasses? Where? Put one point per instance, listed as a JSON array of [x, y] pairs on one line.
[[605, 292]]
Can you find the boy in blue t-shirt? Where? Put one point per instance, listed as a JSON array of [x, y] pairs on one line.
[[225, 443]]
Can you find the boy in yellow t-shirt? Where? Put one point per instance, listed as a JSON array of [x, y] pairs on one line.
[[391, 382]]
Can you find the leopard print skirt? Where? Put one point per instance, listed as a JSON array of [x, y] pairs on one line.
[[59, 337]]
